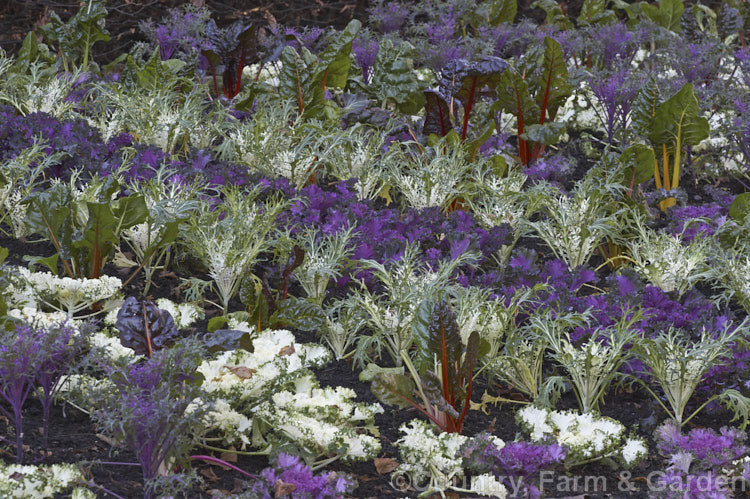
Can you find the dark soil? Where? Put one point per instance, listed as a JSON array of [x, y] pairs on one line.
[[73, 437]]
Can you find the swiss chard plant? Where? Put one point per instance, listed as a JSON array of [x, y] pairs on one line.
[[75, 37], [83, 229], [305, 76], [144, 327], [669, 126], [231, 49], [533, 90], [440, 378]]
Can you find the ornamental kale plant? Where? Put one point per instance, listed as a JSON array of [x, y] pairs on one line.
[[290, 476], [20, 355], [516, 464], [678, 364], [702, 462], [145, 408], [59, 349], [228, 238]]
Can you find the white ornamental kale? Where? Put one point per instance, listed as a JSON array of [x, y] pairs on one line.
[[432, 459], [229, 239], [592, 365], [325, 255], [24, 481], [731, 273], [667, 262], [574, 226], [320, 419], [240, 380], [405, 284], [678, 363], [68, 295], [432, 179], [588, 437]]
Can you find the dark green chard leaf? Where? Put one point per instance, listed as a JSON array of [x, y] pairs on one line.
[[555, 16], [298, 313], [393, 389], [667, 14], [677, 121], [437, 118], [252, 296], [393, 77], [334, 62], [503, 11], [76, 37], [740, 207], [638, 160], [144, 327], [644, 106], [297, 81], [546, 134], [554, 88], [222, 340], [595, 12]]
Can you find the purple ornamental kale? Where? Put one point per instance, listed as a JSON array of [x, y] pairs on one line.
[[517, 462], [388, 18], [59, 347], [708, 449], [183, 31], [366, 52], [20, 354], [148, 408], [297, 478]]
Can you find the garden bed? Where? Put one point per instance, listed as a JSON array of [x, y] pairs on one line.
[[446, 252]]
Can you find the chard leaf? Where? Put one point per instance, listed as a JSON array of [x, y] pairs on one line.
[[432, 387], [437, 118], [47, 210], [740, 207], [372, 370], [300, 314], [50, 262], [144, 327], [466, 80], [644, 106], [546, 134], [223, 340], [393, 389], [297, 81], [420, 331], [503, 11], [334, 60], [555, 15], [129, 211], [639, 164], [252, 296], [667, 14], [677, 122], [595, 12], [98, 237], [394, 79], [554, 88]]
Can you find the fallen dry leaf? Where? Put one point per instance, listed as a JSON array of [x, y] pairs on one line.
[[242, 371], [385, 465], [230, 457], [287, 350], [210, 474], [282, 488], [105, 438]]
